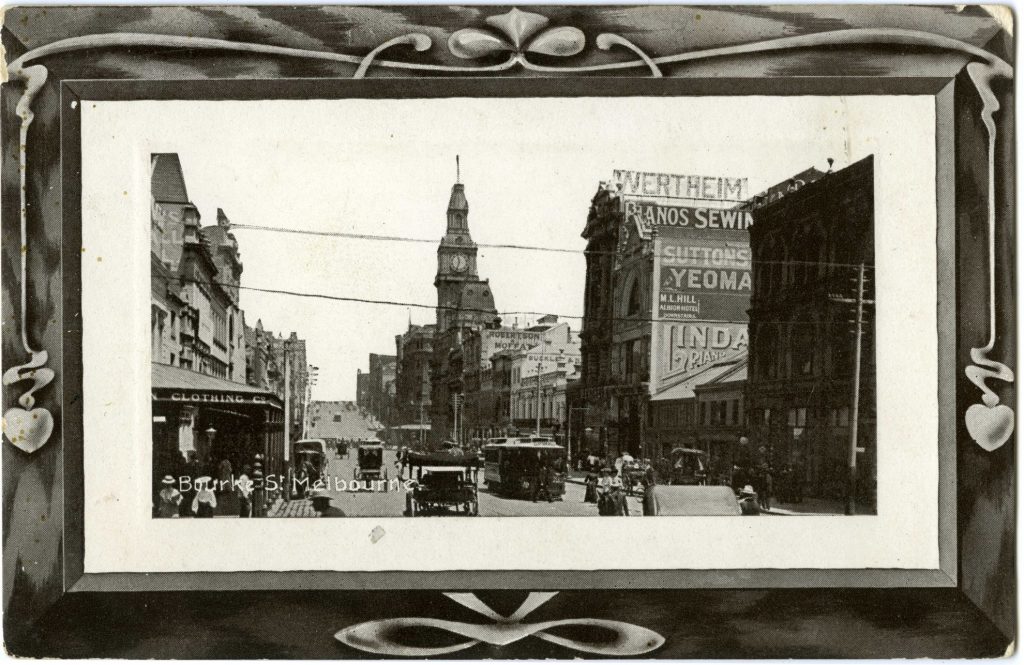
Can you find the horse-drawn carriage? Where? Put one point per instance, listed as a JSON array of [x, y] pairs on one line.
[[370, 461], [689, 467], [309, 464], [441, 483]]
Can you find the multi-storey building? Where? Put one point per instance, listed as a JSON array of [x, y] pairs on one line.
[[616, 335], [381, 388], [265, 367], [808, 248], [465, 304], [198, 340], [413, 355], [540, 377]]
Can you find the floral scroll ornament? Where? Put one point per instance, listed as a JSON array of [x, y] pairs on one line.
[[383, 637], [526, 32]]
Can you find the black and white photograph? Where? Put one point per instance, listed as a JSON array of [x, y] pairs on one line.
[[459, 279], [472, 310]]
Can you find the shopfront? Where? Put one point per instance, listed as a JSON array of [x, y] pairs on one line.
[[210, 420]]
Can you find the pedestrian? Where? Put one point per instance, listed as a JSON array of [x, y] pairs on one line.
[[308, 474], [649, 481], [243, 490], [189, 474], [605, 501], [619, 496], [764, 490], [224, 472], [799, 472], [205, 500], [542, 482], [590, 483], [748, 501], [259, 494], [169, 499]]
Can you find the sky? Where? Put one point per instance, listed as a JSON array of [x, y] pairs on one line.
[[530, 168]]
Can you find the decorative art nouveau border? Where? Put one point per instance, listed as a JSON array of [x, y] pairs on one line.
[[510, 44], [519, 33]]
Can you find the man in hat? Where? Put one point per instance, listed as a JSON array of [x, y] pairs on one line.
[[322, 505], [170, 498], [748, 501]]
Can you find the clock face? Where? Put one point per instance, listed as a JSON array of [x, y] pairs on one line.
[[459, 263]]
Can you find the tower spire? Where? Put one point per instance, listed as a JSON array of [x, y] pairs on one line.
[[458, 177]]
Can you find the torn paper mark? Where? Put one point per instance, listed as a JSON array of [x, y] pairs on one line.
[[1003, 15], [376, 534]]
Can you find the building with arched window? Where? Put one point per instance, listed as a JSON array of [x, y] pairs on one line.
[[807, 249]]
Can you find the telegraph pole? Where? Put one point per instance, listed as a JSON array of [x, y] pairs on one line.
[[851, 499], [859, 301], [540, 360], [421, 425]]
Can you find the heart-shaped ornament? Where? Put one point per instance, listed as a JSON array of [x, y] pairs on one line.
[[28, 430], [989, 426]]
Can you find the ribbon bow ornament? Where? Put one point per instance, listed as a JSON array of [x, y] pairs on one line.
[[377, 636]]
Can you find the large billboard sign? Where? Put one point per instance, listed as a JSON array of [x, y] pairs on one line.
[[702, 286], [680, 348], [505, 339], [650, 214], [671, 185]]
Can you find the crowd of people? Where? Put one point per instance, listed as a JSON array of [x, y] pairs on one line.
[[195, 488], [608, 486], [756, 472]]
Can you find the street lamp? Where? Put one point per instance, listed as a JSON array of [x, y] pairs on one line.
[[210, 434]]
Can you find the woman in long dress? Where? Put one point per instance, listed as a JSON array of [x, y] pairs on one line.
[[590, 495], [205, 501], [170, 498]]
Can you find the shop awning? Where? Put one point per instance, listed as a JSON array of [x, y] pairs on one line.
[[183, 386]]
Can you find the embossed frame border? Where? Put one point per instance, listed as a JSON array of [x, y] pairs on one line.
[[972, 84]]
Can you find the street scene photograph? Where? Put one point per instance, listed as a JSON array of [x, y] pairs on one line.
[[518, 307]]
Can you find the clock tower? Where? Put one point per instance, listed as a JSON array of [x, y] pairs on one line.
[[456, 260]]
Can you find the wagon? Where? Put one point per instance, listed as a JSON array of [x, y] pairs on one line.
[[441, 483]]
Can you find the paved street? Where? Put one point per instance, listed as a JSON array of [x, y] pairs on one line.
[[391, 503]]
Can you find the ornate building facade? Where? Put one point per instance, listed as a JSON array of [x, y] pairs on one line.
[[465, 304]]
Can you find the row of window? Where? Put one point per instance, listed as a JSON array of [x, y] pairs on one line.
[[731, 413], [797, 349], [550, 409]]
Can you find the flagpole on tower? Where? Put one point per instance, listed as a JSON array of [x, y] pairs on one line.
[[457, 175]]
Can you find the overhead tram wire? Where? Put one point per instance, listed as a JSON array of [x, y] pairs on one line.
[[531, 248], [470, 310]]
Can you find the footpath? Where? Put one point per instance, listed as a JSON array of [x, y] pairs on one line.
[[806, 507]]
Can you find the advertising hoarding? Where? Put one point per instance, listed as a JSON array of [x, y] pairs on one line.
[[702, 285]]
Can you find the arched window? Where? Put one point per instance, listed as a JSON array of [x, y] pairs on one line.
[[635, 302]]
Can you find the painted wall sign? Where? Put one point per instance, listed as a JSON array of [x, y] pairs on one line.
[[702, 285], [670, 185], [650, 214], [188, 396], [702, 276], [679, 348], [495, 341]]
